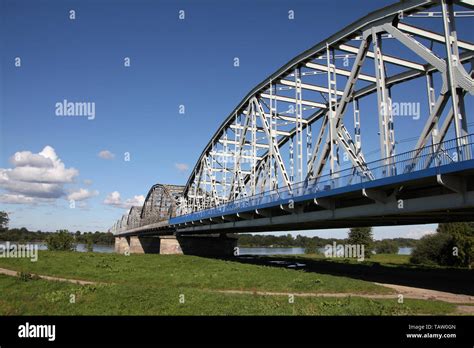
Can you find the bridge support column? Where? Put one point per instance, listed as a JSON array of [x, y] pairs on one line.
[[144, 245], [137, 245], [122, 245], [214, 245], [169, 245], [203, 245]]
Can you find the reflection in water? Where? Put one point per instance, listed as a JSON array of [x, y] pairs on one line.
[[99, 248], [294, 251], [242, 251]]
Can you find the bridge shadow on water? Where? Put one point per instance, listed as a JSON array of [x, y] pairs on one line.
[[454, 280]]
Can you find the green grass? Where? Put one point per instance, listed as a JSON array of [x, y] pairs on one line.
[[183, 271], [40, 297], [152, 285]]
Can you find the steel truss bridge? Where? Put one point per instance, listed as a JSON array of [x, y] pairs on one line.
[[292, 154]]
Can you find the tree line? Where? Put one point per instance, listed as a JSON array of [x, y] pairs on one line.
[[451, 245], [288, 241], [23, 235]]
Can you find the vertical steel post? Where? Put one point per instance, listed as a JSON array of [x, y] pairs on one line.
[[292, 161], [236, 154], [224, 174], [272, 133], [309, 144], [332, 97], [299, 125], [357, 138], [387, 143], [253, 161], [457, 99]]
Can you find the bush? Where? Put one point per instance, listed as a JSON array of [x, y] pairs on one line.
[[61, 241], [452, 245], [460, 248], [25, 276], [311, 247], [386, 247], [89, 244]]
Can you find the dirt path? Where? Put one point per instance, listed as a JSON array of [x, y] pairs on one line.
[[74, 281], [406, 291], [426, 294]]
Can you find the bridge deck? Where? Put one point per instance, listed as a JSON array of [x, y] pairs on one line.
[[346, 182], [411, 195]]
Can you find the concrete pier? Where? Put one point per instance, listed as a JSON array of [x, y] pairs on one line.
[[207, 245]]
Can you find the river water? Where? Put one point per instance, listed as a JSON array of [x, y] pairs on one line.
[[294, 251], [242, 251]]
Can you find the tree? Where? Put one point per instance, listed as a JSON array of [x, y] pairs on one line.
[[310, 246], [429, 250], [451, 245], [4, 219], [362, 236], [89, 243], [386, 247], [62, 240]]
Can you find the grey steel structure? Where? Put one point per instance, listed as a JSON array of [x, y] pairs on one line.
[[160, 204], [305, 123]]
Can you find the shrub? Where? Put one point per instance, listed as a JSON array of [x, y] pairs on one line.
[[430, 248], [311, 247], [25, 276], [61, 241], [386, 247], [452, 245], [89, 244]]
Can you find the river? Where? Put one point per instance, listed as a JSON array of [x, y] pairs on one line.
[[99, 248]]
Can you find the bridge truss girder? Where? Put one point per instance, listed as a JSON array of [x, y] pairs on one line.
[[267, 141]]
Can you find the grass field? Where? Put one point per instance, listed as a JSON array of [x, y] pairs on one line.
[[186, 285]]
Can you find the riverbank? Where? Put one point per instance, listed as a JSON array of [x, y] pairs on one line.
[[189, 285]]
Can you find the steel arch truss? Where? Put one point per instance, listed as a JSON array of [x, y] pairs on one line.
[[312, 119], [292, 128], [160, 205]]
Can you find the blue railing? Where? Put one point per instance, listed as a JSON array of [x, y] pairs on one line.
[[406, 163]]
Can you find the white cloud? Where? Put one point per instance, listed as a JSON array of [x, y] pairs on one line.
[[137, 200], [82, 205], [115, 200], [106, 154], [87, 182], [182, 167], [82, 194], [26, 158], [16, 199], [40, 175], [416, 233]]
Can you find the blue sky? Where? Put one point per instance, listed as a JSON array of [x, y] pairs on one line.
[[172, 62]]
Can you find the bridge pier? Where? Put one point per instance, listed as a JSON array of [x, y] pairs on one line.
[[203, 245], [208, 245], [122, 244]]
